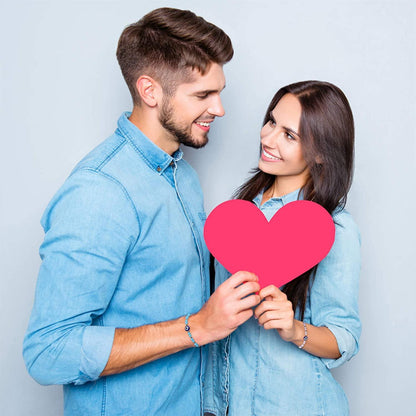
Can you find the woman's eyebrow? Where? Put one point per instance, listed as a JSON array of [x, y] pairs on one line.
[[286, 128], [291, 131]]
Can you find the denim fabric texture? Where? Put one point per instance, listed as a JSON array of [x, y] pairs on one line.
[[123, 247], [254, 372]]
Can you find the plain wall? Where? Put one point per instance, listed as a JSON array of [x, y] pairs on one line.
[[62, 92]]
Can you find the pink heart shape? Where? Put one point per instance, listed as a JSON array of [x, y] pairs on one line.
[[297, 238]]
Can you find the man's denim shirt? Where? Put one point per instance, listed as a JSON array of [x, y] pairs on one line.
[[123, 248], [255, 372]]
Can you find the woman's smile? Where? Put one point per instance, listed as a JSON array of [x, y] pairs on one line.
[[269, 157]]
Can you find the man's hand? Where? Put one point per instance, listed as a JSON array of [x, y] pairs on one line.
[[228, 307]]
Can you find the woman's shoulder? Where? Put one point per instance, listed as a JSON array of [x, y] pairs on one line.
[[346, 229], [344, 220]]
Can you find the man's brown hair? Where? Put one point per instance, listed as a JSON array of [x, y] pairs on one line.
[[167, 44]]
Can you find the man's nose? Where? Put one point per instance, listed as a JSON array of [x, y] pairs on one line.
[[216, 108]]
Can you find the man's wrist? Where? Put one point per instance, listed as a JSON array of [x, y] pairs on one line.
[[188, 330], [198, 332]]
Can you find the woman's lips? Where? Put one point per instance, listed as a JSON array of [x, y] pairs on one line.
[[268, 157]]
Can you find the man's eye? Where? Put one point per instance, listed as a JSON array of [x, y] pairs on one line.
[[202, 96], [271, 123]]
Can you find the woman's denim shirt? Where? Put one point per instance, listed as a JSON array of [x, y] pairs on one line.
[[123, 248], [255, 372]]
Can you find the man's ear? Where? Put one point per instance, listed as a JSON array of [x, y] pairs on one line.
[[148, 90]]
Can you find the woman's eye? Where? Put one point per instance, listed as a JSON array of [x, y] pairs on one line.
[[289, 136]]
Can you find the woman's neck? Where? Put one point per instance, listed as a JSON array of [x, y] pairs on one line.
[[281, 187]]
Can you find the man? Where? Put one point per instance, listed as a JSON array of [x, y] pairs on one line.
[[120, 310]]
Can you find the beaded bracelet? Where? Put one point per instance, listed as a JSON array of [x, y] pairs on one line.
[[188, 330], [305, 338]]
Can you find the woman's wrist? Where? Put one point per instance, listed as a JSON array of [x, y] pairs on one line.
[[299, 333]]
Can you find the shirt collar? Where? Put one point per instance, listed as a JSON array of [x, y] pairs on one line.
[[155, 157], [285, 199]]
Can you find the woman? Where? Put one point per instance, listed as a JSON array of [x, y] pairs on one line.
[[278, 362]]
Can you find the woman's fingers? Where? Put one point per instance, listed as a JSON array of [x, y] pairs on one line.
[[276, 319], [265, 306], [272, 291]]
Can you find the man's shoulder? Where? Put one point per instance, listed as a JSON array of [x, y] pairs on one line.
[[89, 183], [91, 192], [106, 151]]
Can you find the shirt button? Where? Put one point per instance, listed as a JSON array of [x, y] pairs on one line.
[[158, 168], [171, 163]]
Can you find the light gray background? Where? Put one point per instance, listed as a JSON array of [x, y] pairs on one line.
[[62, 92]]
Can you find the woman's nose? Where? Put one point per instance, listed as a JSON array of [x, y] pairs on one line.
[[270, 138]]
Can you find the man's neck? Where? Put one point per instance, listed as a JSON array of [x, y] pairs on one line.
[[148, 123]]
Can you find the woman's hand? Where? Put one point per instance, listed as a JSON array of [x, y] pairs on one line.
[[276, 312]]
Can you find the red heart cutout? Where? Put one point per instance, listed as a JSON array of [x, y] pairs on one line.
[[297, 238]]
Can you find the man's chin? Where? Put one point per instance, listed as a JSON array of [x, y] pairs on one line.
[[196, 144]]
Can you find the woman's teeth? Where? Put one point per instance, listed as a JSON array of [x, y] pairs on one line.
[[269, 156]]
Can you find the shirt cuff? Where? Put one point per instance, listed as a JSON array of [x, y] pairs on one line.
[[97, 342], [346, 345]]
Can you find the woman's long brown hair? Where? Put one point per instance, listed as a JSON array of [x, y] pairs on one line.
[[327, 137]]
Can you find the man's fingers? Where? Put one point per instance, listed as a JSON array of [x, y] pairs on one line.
[[238, 278], [244, 316], [246, 289], [248, 302]]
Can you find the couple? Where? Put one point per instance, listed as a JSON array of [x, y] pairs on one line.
[[123, 317]]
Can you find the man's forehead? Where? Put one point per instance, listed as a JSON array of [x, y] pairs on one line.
[[212, 80]]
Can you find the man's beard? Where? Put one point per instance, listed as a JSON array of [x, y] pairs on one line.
[[179, 132]]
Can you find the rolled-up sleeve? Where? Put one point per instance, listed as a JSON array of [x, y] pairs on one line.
[[334, 292], [90, 227]]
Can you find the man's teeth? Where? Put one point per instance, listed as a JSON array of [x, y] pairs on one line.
[[203, 123], [269, 156]]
